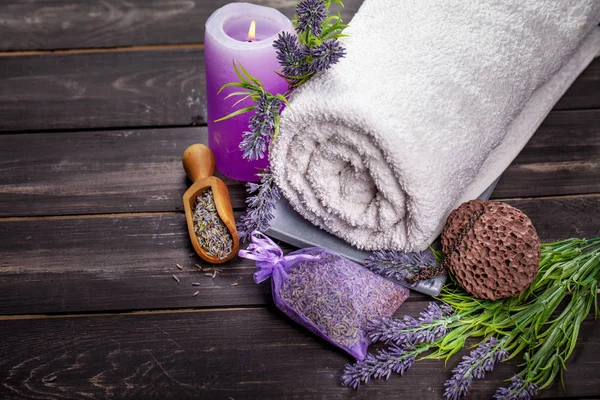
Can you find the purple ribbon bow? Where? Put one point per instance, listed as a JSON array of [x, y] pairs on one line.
[[269, 256]]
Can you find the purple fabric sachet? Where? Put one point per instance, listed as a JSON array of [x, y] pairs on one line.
[[329, 295]]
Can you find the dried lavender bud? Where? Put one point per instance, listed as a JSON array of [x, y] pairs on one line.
[[481, 360], [325, 55], [290, 54], [380, 366], [404, 267], [324, 291], [518, 389], [213, 236], [262, 126], [311, 14], [259, 213], [408, 332]]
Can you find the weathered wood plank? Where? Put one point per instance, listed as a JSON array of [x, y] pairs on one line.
[[124, 89], [64, 24], [113, 263], [583, 94], [116, 89], [98, 172], [563, 157], [140, 170], [245, 354], [84, 264]]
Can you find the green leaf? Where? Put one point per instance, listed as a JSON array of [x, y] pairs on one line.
[[242, 99], [239, 74], [253, 79], [236, 113], [235, 84], [238, 94], [284, 99]]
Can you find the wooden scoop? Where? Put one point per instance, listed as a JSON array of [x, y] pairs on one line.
[[199, 164]]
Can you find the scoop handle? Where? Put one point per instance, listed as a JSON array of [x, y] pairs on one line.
[[199, 162]]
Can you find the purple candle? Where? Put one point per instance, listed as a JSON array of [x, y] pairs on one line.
[[228, 37]]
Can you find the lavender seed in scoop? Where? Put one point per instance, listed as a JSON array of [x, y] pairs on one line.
[[213, 236]]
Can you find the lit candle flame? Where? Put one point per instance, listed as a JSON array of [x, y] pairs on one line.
[[252, 32]]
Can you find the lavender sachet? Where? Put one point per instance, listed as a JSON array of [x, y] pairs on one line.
[[329, 295]]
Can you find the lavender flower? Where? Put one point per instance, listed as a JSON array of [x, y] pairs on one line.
[[518, 389], [325, 55], [380, 366], [403, 267], [311, 15], [262, 125], [475, 365], [259, 213], [290, 54], [408, 332]]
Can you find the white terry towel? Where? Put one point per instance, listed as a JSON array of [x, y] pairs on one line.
[[420, 115]]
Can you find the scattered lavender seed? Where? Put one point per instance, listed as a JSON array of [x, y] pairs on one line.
[[234, 284], [191, 254], [209, 275], [214, 274], [213, 236], [196, 293], [199, 267], [176, 278], [195, 283], [51, 379], [179, 266]]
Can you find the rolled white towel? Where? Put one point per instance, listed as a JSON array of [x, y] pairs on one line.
[[414, 120]]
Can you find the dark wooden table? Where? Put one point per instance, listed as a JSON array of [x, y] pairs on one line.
[[98, 100]]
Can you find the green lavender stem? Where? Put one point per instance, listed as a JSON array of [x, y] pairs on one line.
[[569, 271]]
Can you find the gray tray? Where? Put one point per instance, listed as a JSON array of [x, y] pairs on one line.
[[290, 227]]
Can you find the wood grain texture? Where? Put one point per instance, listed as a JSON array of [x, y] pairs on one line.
[[98, 172], [102, 90], [246, 354], [125, 89], [64, 24], [141, 170], [92, 264], [563, 157], [583, 94], [113, 263]]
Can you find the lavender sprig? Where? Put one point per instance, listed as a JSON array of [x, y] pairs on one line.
[[290, 54], [259, 213], [325, 55], [311, 15], [481, 360], [378, 366], [262, 127], [408, 332], [404, 267], [518, 389]]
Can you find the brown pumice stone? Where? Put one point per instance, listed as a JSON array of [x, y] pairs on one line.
[[491, 249]]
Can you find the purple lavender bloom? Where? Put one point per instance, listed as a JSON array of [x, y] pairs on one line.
[[481, 360], [408, 332], [325, 55], [380, 366], [262, 125], [259, 213], [311, 15], [519, 389], [403, 267], [290, 54]]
